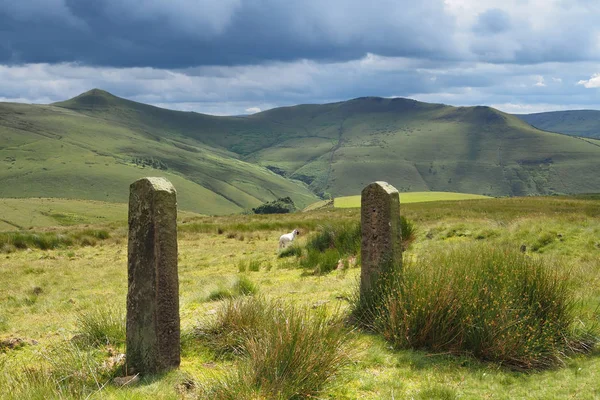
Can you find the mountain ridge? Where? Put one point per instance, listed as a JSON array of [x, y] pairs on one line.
[[331, 149], [584, 123]]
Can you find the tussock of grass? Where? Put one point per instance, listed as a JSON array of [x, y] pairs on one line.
[[331, 243], [66, 371], [493, 303], [243, 286], [3, 322], [101, 326], [293, 250], [289, 351], [9, 241]]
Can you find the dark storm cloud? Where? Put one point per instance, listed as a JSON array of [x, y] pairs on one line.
[[181, 33], [229, 56]]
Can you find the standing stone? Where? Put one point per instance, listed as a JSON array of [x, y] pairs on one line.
[[153, 332], [381, 249]]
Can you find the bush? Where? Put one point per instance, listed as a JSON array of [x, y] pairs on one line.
[[496, 304], [101, 326], [290, 352], [282, 205]]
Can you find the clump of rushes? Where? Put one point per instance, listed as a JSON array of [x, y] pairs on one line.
[[9, 241], [496, 304], [104, 325], [288, 351], [64, 371], [291, 251], [330, 244], [339, 242], [243, 286]]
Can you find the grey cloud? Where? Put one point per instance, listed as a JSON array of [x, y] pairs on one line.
[[232, 90], [492, 21], [182, 33]]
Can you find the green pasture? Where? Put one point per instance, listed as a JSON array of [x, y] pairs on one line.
[[410, 197], [53, 315]]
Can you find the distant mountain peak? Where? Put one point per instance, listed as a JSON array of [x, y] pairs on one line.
[[94, 98]]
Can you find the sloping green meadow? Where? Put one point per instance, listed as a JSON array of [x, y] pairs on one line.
[[410, 197], [61, 309]]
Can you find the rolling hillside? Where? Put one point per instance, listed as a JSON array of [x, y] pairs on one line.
[[94, 145], [419, 147], [584, 123], [50, 151]]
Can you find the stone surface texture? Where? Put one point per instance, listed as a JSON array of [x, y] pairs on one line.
[[153, 326], [381, 245]]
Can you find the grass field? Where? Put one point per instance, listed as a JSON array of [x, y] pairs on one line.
[[30, 213], [43, 293], [410, 197]]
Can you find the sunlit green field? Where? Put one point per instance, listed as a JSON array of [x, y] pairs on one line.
[[46, 212], [42, 293], [410, 197]]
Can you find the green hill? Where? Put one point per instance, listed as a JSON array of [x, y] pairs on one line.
[[53, 151], [584, 123], [420, 147], [94, 145]]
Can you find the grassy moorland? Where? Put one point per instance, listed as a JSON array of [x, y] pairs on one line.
[[34, 213], [410, 197], [61, 330]]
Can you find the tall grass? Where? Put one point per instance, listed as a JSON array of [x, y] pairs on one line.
[[335, 242], [328, 245], [289, 351], [103, 325], [242, 286], [10, 241], [496, 304], [65, 371]]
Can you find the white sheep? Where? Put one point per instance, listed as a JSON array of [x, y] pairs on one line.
[[288, 238]]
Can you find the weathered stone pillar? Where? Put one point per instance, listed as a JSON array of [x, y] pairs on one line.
[[153, 332], [381, 246]]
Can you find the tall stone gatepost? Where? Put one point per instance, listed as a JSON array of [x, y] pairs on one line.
[[381, 246], [153, 330]]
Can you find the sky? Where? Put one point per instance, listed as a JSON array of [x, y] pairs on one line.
[[231, 57]]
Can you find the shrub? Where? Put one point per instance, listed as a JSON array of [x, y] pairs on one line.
[[282, 205], [101, 326], [290, 352], [493, 303]]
